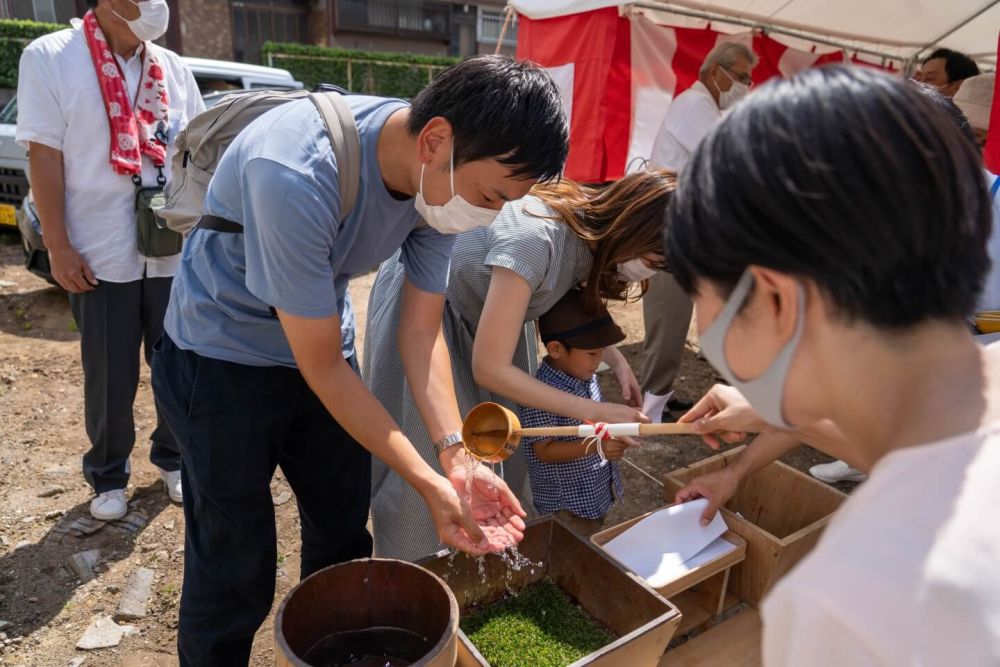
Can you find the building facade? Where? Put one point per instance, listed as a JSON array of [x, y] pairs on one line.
[[236, 29]]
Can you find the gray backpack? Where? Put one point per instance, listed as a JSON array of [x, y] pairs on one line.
[[207, 136]]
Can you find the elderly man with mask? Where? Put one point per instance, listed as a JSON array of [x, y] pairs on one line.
[[723, 79], [99, 107]]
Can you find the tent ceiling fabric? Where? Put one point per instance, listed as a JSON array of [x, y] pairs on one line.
[[900, 28]]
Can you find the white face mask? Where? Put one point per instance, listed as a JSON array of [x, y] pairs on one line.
[[736, 92], [766, 393], [635, 271], [154, 17], [456, 215]]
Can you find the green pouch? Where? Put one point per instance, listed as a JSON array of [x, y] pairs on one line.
[[155, 240]]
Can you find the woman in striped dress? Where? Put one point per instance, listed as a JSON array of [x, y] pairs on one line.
[[502, 278]]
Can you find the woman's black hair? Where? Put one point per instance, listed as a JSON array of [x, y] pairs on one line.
[[847, 177], [499, 108]]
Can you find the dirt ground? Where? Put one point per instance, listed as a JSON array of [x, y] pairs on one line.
[[44, 606]]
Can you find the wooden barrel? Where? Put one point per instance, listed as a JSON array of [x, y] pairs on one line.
[[395, 611]]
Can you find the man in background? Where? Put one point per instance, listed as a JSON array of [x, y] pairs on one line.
[[724, 78], [946, 69], [99, 107]]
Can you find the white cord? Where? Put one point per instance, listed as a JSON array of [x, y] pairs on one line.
[[600, 433]]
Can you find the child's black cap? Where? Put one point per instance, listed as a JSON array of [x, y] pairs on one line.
[[569, 322]]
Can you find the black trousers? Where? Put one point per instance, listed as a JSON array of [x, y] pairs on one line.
[[115, 320], [235, 424]]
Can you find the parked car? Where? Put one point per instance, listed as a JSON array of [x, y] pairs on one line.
[[216, 79]]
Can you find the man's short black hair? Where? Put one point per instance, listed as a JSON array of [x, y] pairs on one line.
[[91, 3], [957, 65], [847, 177], [499, 108]]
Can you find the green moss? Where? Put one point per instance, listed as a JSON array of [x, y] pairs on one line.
[[540, 627]]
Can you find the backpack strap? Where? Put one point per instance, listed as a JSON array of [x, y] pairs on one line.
[[995, 187], [346, 143]]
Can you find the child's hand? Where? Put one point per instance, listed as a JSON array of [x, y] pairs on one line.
[[613, 449]]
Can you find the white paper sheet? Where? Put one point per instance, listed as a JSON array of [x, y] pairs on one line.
[[670, 542]]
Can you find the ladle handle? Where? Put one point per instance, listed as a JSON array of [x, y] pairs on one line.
[[644, 429]]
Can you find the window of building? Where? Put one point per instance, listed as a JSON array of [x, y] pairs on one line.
[[45, 10], [490, 23], [266, 21], [395, 17]]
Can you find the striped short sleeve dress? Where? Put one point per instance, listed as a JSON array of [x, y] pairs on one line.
[[523, 239]]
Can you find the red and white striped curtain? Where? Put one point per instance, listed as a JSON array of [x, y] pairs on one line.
[[618, 74]]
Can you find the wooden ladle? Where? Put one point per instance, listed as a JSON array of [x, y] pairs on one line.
[[492, 432]]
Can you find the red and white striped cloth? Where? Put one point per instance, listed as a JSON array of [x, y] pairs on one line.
[[619, 71]]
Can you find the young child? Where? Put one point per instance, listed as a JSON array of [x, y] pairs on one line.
[[568, 477]]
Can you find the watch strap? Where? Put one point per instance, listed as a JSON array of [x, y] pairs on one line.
[[447, 441]]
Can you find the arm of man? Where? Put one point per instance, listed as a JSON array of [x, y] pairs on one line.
[[69, 268], [497, 336], [427, 363], [289, 240], [315, 344], [41, 128]]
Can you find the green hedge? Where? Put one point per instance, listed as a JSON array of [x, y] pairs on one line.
[[371, 72], [14, 36]]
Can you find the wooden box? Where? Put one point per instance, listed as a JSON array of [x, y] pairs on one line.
[[779, 511], [735, 642], [701, 594], [643, 621]]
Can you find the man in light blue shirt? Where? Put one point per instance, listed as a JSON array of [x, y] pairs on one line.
[[257, 368]]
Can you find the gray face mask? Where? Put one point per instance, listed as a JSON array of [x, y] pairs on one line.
[[766, 392]]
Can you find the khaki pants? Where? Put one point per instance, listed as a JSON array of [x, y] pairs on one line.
[[666, 312], [579, 525]]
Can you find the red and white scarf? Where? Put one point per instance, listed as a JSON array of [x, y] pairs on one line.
[[134, 132]]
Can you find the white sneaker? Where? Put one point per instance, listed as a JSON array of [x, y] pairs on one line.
[[172, 480], [109, 505], [838, 471]]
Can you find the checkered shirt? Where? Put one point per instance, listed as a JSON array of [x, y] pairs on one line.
[[583, 486]]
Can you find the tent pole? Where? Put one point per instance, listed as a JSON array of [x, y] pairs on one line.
[[756, 25], [955, 29], [503, 29]]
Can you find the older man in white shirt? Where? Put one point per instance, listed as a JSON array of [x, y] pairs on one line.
[[723, 79], [99, 106]]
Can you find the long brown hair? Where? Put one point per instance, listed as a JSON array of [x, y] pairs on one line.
[[619, 222]]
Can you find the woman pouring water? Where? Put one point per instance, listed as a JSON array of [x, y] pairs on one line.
[[836, 305], [502, 278]]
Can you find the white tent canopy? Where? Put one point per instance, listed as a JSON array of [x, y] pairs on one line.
[[903, 29]]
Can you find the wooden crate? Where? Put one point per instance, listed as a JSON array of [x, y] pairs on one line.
[[701, 594], [643, 621], [735, 642], [779, 511]]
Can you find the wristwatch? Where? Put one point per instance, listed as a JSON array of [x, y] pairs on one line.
[[446, 442]]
